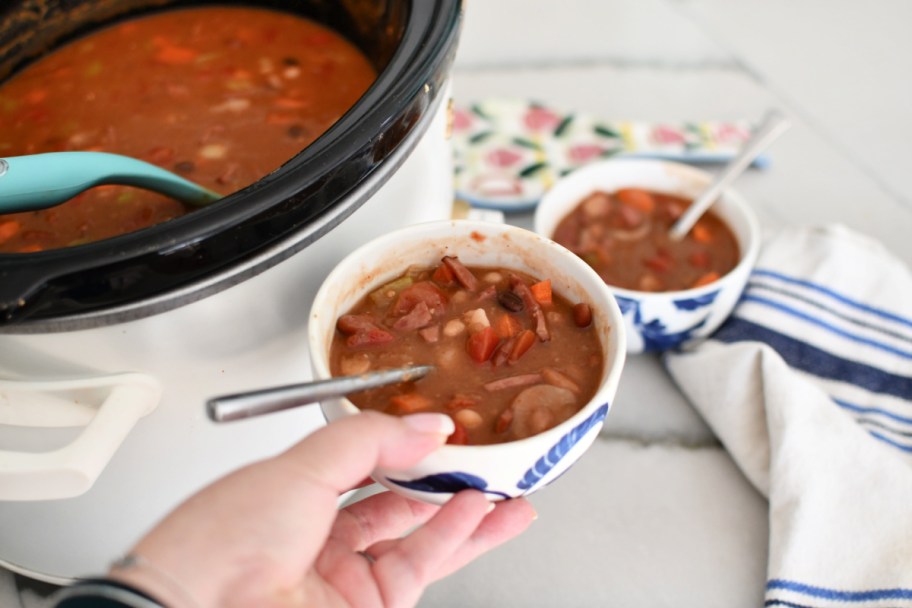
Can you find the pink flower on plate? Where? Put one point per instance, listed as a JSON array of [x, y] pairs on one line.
[[541, 119], [462, 120], [581, 153], [503, 157], [731, 133], [664, 134]]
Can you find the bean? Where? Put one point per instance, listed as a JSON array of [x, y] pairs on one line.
[[510, 300], [470, 419], [582, 314]]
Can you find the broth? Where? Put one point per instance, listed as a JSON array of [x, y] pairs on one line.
[[219, 95]]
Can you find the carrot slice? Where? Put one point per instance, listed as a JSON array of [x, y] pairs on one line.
[[541, 291], [443, 275], [507, 326], [701, 233], [636, 198], [706, 279], [175, 55], [8, 230], [408, 403], [481, 344], [524, 342]]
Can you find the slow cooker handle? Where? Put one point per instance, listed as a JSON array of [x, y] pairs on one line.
[[71, 470]]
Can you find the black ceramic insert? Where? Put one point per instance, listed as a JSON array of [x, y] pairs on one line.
[[165, 266]]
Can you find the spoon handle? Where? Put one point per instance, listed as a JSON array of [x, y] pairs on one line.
[[39, 181], [774, 124], [256, 403]]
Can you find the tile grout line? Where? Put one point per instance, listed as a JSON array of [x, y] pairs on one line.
[[807, 117]]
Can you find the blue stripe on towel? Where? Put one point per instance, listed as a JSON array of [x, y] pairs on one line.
[[888, 441], [828, 326], [898, 593], [883, 314], [860, 409], [816, 361], [810, 301]]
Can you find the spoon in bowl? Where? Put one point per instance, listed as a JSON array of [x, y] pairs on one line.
[[266, 401], [39, 181], [774, 124]]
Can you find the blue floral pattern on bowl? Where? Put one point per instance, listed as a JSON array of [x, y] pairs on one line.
[[667, 329], [447, 483], [546, 463], [455, 481]]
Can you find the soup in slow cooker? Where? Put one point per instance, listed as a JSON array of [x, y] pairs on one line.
[[513, 358], [220, 95]]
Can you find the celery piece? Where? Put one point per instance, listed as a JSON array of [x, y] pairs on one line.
[[385, 294]]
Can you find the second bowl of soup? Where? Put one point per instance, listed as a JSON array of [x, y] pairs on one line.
[[527, 343], [616, 214]]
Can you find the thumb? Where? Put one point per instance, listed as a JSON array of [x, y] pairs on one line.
[[344, 452]]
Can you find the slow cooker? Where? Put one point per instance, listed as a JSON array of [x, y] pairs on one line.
[[109, 350]]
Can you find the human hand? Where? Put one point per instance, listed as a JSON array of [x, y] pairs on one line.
[[270, 534]]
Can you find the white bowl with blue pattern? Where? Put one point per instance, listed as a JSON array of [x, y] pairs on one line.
[[660, 321], [505, 470]]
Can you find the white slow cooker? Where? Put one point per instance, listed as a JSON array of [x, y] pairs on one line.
[[103, 427]]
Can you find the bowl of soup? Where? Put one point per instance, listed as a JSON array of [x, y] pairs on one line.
[[526, 341], [615, 215]]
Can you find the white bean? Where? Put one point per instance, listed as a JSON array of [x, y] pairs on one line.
[[468, 418], [453, 328]]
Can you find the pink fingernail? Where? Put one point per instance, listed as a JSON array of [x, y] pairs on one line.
[[440, 424]]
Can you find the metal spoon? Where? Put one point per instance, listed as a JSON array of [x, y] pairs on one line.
[[266, 401], [774, 124], [39, 181]]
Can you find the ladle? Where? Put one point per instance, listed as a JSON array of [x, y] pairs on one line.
[[774, 124], [39, 181], [266, 401]]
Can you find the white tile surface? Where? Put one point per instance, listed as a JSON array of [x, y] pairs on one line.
[[629, 525], [544, 32], [843, 66]]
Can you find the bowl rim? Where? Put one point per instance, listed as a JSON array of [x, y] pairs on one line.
[[732, 200], [615, 351]]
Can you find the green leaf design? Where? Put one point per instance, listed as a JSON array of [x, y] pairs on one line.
[[564, 125], [476, 109], [605, 131], [532, 169], [526, 143], [480, 137]]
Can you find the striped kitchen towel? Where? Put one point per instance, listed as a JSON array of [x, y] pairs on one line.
[[809, 387]]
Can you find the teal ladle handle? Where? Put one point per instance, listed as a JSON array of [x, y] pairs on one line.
[[39, 181]]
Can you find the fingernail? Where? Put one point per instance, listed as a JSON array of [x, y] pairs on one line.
[[440, 424], [490, 508]]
